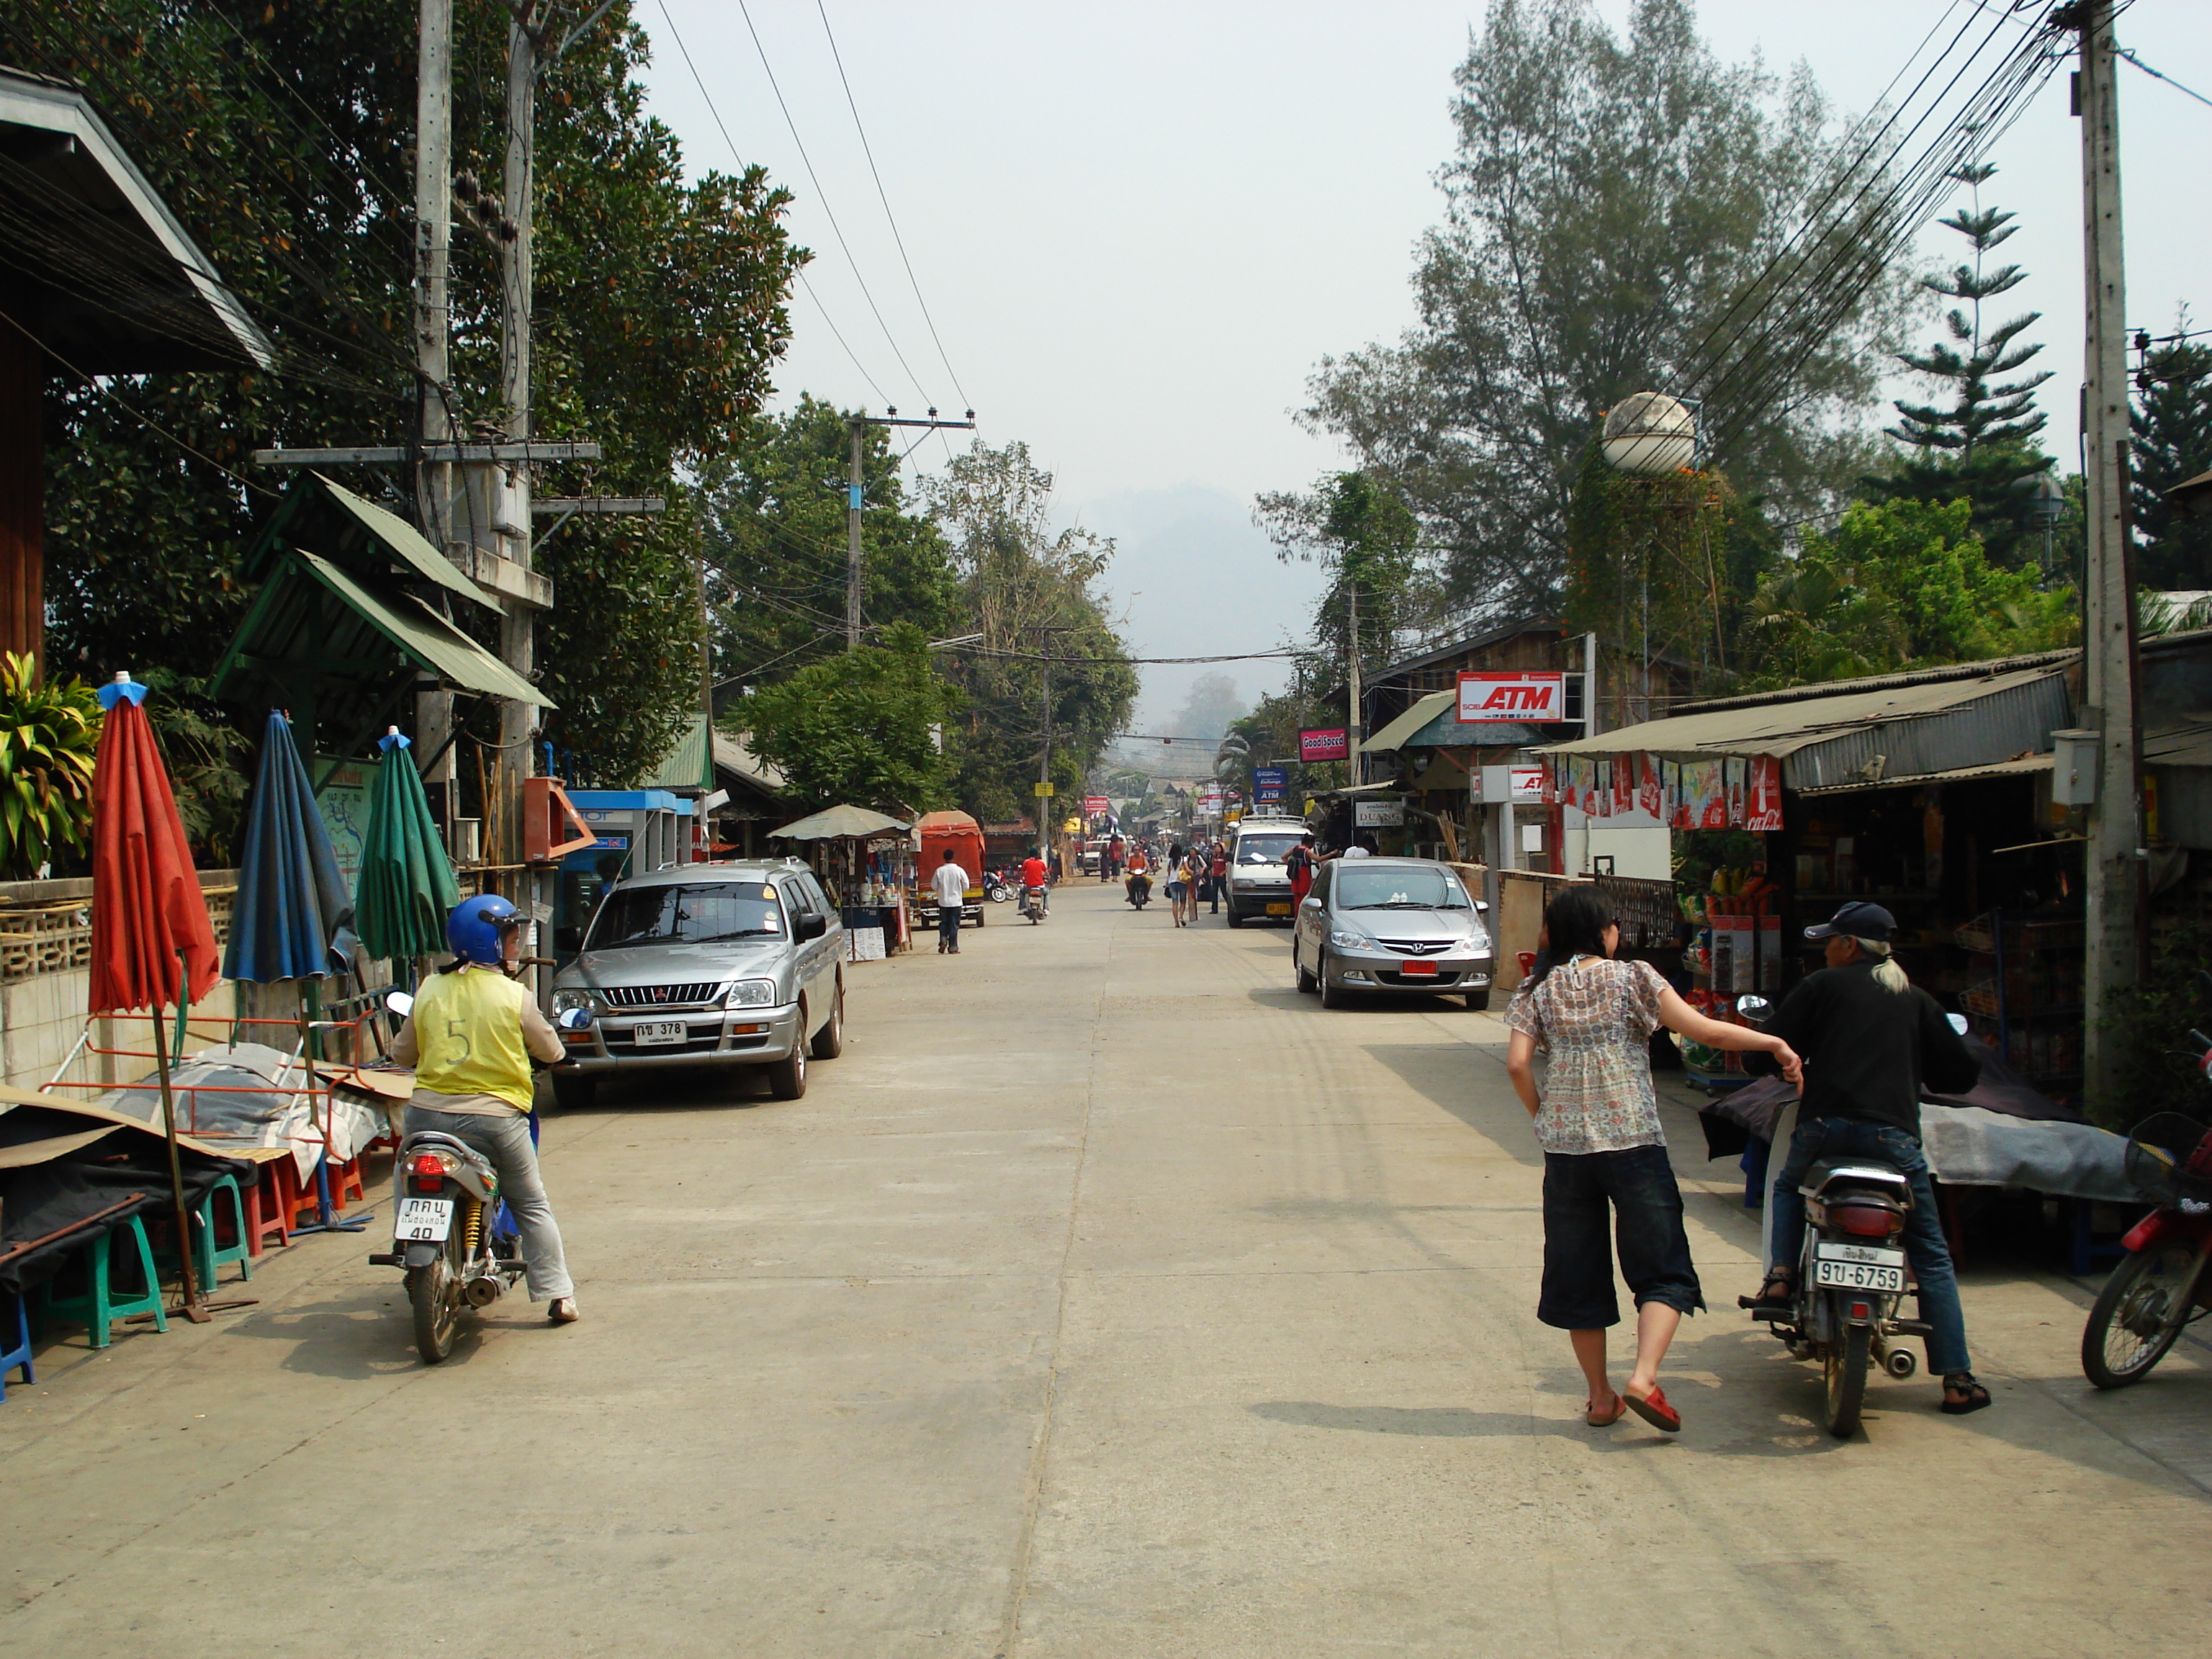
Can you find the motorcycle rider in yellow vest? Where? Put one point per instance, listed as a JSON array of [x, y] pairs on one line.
[[469, 1038]]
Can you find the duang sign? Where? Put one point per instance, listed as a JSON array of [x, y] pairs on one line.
[[1330, 743], [1484, 697]]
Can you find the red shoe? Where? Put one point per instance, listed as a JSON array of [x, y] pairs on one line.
[[1654, 1409]]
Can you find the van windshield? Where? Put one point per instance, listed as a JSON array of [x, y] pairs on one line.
[[1397, 887], [701, 913], [1264, 849]]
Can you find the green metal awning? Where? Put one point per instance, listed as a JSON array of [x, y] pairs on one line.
[[427, 638], [357, 535]]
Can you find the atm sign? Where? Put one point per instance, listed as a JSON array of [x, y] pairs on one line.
[[1530, 697]]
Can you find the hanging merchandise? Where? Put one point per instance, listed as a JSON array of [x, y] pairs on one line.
[[1732, 784], [1647, 794], [1763, 811]]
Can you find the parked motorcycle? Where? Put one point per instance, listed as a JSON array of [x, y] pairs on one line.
[[1033, 904], [1140, 890], [2162, 1285], [998, 886], [1852, 1273]]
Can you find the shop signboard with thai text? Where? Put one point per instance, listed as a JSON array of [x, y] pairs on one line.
[[1535, 698]]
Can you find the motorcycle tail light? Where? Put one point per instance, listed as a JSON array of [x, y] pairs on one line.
[[429, 1170], [1861, 1310], [1865, 1220]]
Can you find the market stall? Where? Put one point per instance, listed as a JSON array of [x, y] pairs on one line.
[[864, 860]]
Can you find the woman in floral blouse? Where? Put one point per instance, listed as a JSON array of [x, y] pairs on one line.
[[1598, 1122]]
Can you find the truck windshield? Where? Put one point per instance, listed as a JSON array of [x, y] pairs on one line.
[[1264, 849], [701, 913], [1399, 888]]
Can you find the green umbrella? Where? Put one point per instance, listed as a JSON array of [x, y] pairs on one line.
[[405, 888]]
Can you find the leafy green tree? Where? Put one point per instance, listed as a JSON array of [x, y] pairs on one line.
[[1981, 445], [2172, 442], [1902, 584], [278, 130], [1614, 205], [859, 727], [1360, 528], [1033, 593]]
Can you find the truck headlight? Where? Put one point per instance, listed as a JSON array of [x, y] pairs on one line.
[[564, 1000], [752, 994]]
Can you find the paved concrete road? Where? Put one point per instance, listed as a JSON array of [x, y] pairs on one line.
[[1107, 1299]]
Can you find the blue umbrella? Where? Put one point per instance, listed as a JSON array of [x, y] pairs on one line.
[[290, 889]]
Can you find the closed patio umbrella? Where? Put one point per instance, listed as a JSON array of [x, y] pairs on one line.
[[290, 889], [406, 887], [152, 943]]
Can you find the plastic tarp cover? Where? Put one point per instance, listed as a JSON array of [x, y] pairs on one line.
[[1969, 1147], [250, 1095], [54, 1197]]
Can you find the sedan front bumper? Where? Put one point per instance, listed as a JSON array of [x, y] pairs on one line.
[[715, 1036], [1386, 970]]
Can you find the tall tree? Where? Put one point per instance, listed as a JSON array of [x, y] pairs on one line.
[[1359, 527], [860, 728], [1979, 446], [2172, 442], [1614, 206]]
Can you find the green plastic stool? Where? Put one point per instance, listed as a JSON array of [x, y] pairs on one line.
[[210, 1255], [97, 1309]]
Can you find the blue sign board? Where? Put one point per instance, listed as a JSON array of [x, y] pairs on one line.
[[1270, 780]]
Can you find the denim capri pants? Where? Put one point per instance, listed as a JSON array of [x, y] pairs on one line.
[[1638, 1185]]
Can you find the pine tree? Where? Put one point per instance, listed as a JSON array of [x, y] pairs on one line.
[[2172, 442], [1982, 445]]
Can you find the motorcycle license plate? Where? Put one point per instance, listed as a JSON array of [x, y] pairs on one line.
[[1279, 909], [424, 1220], [1418, 970], [1859, 1267], [666, 1030]]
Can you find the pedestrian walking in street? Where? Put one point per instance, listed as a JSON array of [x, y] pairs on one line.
[[1112, 862], [1178, 882], [950, 882], [1300, 863], [1597, 1121], [1218, 873]]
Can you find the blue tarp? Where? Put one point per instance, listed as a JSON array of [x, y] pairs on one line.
[[290, 890]]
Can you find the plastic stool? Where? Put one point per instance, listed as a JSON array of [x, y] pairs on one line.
[[20, 1353], [269, 1203], [346, 1183], [97, 1309], [301, 1204], [210, 1254]]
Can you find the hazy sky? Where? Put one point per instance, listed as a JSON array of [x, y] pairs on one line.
[[1137, 227]]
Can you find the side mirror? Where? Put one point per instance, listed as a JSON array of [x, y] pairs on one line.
[[574, 1019], [810, 926], [1753, 1011], [400, 1002], [1958, 1023]]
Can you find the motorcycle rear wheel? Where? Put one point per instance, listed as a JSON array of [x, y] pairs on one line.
[[434, 1294], [2137, 1315], [1847, 1379]]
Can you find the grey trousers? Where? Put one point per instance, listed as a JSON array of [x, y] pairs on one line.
[[506, 1141]]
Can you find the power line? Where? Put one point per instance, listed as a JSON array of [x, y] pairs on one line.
[[868, 151]]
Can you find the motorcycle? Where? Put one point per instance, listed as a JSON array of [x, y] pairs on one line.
[[2162, 1285], [1033, 904], [998, 886], [451, 1232], [1140, 890], [1852, 1273]]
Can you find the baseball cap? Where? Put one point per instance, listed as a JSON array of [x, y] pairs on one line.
[[1858, 921]]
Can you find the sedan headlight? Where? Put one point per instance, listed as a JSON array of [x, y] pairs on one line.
[[1478, 939], [564, 1000], [752, 994], [1347, 938]]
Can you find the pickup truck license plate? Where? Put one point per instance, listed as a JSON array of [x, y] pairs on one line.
[[1279, 909], [1418, 968], [664, 1030], [1859, 1267], [424, 1220]]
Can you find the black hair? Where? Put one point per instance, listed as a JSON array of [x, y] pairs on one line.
[[948, 856], [1574, 924]]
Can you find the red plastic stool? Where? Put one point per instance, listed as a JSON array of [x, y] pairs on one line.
[[346, 1184], [269, 1204]]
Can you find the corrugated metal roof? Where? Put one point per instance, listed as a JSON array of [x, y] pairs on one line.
[[2179, 743], [2026, 766], [1948, 671], [405, 542], [1393, 735], [684, 766], [422, 633]]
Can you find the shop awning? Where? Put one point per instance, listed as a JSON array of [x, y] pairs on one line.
[[1393, 735], [1434, 723], [843, 823], [1866, 735], [2026, 766], [356, 535]]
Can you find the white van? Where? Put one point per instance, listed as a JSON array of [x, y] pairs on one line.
[[1258, 884]]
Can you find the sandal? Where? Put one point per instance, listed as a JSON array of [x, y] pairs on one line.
[[1591, 1414], [1972, 1395], [1779, 1291], [1654, 1409]]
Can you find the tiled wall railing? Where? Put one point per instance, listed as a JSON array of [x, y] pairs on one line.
[[51, 933]]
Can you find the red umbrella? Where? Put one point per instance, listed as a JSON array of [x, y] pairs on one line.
[[151, 940]]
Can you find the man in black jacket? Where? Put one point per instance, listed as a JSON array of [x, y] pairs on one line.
[[1871, 1039]]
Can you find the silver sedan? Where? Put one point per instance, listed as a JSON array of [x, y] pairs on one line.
[[1376, 924]]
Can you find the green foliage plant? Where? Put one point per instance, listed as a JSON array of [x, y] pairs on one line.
[[2172, 442], [48, 735], [860, 728]]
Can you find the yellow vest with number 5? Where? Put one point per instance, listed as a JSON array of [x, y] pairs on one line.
[[468, 1031]]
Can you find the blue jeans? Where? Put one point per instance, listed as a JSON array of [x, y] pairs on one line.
[[948, 927], [1924, 1246], [505, 1140], [1636, 1185]]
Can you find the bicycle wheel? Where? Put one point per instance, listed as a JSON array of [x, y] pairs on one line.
[[2138, 1315]]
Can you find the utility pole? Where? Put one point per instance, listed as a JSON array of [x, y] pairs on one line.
[[517, 757], [857, 426], [433, 226], [1356, 762], [2114, 855]]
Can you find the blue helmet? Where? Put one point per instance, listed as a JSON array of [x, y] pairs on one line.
[[478, 926]]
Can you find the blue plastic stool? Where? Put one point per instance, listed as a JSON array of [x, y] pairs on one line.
[[10, 1357], [210, 1257], [98, 1307]]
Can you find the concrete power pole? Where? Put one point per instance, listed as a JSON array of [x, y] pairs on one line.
[[434, 481], [1355, 763], [2114, 855], [517, 758]]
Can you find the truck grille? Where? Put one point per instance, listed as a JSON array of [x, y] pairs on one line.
[[661, 996]]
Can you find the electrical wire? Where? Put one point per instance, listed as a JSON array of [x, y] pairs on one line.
[[868, 151]]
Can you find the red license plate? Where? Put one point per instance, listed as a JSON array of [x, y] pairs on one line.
[[1415, 969]]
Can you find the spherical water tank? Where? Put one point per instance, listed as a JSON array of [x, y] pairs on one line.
[[1649, 433]]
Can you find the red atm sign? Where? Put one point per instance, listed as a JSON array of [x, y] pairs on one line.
[[1530, 697]]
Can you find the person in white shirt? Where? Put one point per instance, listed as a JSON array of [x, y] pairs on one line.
[[951, 883]]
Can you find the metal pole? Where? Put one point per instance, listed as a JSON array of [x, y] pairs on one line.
[[434, 482], [853, 498], [190, 1280], [2113, 859]]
